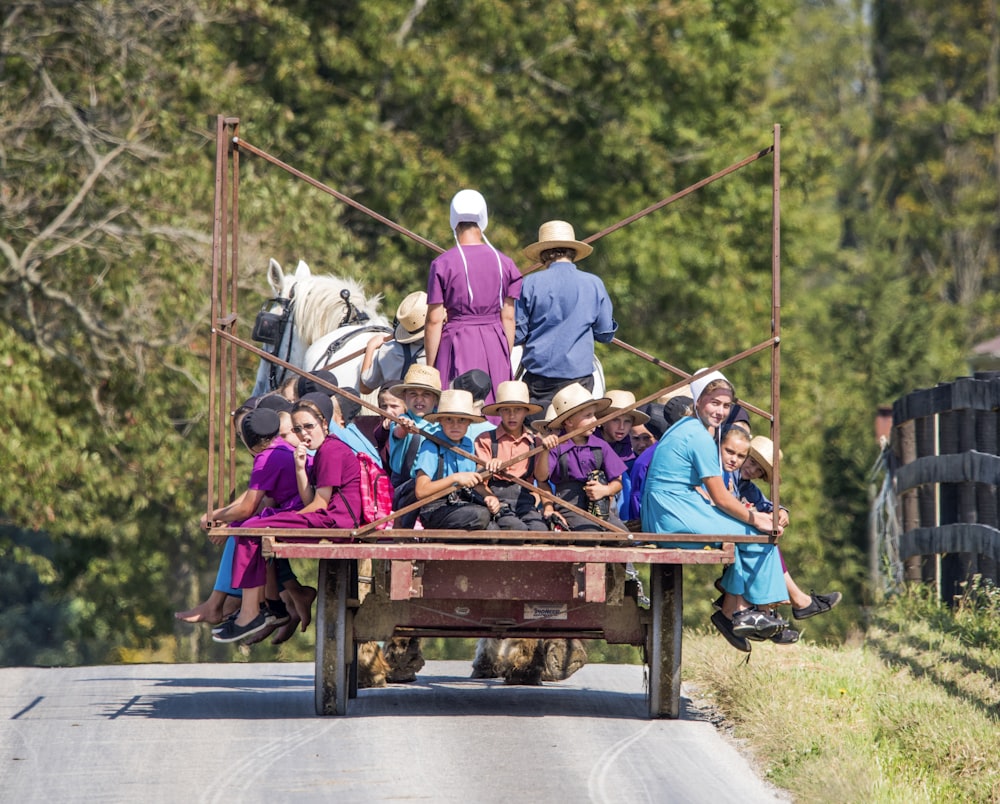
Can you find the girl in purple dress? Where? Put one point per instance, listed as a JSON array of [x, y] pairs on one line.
[[471, 293], [330, 491]]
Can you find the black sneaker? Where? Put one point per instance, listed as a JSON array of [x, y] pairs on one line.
[[725, 627], [230, 618], [754, 622], [231, 632], [717, 603], [817, 605]]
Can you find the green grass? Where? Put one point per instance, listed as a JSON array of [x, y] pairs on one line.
[[906, 712]]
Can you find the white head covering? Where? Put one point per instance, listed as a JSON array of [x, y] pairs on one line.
[[699, 385], [469, 206]]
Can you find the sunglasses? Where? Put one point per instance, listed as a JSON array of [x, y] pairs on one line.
[[304, 428]]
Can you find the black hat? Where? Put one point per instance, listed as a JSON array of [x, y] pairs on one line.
[[259, 425], [348, 407], [476, 381], [305, 385], [248, 405], [657, 424], [738, 414], [275, 402], [322, 402], [676, 409]]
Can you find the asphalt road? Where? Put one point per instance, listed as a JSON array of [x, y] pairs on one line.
[[247, 732]]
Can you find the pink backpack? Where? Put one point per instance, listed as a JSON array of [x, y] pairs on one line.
[[376, 492]]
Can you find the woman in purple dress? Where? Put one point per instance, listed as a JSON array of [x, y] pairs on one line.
[[471, 293], [331, 492]]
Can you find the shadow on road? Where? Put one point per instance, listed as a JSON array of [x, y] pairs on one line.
[[291, 696]]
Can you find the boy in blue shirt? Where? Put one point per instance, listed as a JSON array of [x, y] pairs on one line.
[[437, 468]]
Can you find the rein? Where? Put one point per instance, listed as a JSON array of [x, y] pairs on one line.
[[338, 344]]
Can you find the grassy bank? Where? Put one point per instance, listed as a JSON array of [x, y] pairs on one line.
[[906, 712]]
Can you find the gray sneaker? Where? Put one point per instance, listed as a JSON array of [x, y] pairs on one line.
[[754, 622]]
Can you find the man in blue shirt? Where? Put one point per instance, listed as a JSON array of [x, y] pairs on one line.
[[560, 313]]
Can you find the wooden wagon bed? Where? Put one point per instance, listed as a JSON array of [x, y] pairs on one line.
[[494, 584]]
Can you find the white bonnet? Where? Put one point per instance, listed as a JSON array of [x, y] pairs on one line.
[[469, 206]]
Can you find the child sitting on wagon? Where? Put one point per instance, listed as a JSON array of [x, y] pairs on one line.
[[331, 493], [752, 459], [437, 468], [512, 505], [272, 481], [584, 470], [420, 390], [618, 433]]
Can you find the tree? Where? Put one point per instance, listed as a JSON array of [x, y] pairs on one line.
[[102, 290]]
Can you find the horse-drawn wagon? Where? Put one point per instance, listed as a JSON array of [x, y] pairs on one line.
[[458, 583]]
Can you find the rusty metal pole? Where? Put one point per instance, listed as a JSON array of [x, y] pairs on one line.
[[233, 353], [776, 320], [213, 348]]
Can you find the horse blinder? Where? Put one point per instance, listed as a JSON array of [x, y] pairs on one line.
[[269, 327]]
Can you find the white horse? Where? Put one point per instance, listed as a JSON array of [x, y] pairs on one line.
[[313, 321]]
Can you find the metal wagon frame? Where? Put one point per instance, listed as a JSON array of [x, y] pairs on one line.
[[452, 583]]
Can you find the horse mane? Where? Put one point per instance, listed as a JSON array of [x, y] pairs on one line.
[[319, 308]]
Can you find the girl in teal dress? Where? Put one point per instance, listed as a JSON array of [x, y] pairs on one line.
[[686, 459]]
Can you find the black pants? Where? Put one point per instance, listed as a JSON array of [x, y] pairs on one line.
[[522, 502], [441, 515], [542, 390], [403, 495], [572, 492]]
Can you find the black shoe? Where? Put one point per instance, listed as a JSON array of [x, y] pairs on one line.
[[231, 632], [754, 622], [725, 627], [228, 619], [717, 603], [817, 605]]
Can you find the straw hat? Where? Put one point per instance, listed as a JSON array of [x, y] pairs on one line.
[[699, 385], [410, 317], [572, 399], [684, 390], [625, 399], [542, 425], [457, 403], [512, 394], [469, 206], [762, 451], [557, 234], [419, 377]]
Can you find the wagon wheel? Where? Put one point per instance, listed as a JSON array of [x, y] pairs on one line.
[[334, 637], [663, 640]]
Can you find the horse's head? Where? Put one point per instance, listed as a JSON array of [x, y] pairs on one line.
[[275, 327], [305, 307]]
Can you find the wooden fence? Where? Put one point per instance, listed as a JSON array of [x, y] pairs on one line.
[[946, 471]]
